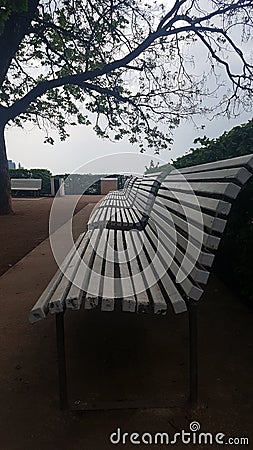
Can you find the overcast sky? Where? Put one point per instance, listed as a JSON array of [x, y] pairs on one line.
[[86, 151]]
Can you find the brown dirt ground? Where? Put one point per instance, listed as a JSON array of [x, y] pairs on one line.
[[26, 228], [118, 356]]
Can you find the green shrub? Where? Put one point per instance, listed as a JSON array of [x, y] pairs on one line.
[[234, 258]]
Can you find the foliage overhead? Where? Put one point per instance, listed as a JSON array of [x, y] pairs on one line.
[[236, 142], [8, 7], [132, 65], [234, 259]]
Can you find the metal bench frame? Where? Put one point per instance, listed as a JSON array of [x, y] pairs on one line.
[[159, 403]]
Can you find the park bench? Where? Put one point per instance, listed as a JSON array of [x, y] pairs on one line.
[[128, 209], [26, 184], [148, 249]]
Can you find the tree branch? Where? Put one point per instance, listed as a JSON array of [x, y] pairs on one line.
[[15, 28], [21, 105]]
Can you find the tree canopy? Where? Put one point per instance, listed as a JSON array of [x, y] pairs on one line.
[[129, 62], [236, 142], [129, 68]]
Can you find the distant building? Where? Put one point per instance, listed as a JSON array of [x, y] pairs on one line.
[[11, 164]]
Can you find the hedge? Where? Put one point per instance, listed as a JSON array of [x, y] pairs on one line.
[[44, 174]]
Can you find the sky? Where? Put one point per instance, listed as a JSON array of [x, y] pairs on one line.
[[84, 152]]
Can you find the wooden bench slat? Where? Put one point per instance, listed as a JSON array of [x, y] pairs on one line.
[[129, 303], [160, 267], [191, 290], [41, 308], [93, 260], [204, 258], [214, 205], [75, 294], [190, 266], [239, 174], [158, 301], [207, 240], [198, 273], [57, 301], [246, 160], [138, 280], [93, 288], [109, 282], [229, 190], [192, 216]]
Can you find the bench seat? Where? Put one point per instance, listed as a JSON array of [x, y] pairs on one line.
[[121, 286]]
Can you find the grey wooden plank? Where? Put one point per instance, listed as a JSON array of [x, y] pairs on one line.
[[91, 281], [194, 252], [246, 160], [188, 259], [139, 287], [207, 240], [108, 282], [150, 278], [75, 295], [160, 267], [160, 305], [229, 190], [214, 205], [185, 259], [193, 216], [129, 303], [191, 290], [128, 216], [239, 174], [124, 216], [153, 175], [95, 217], [41, 308], [57, 300]]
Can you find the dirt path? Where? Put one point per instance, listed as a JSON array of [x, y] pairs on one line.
[[28, 227]]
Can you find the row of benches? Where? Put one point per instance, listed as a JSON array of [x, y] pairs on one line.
[[148, 248]]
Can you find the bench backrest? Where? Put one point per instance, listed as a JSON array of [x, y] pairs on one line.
[[142, 190], [26, 184], [189, 216]]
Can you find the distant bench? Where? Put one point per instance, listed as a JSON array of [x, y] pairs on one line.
[[147, 248], [26, 184]]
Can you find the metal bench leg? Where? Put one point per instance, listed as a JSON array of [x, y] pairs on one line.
[[193, 351], [62, 374]]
